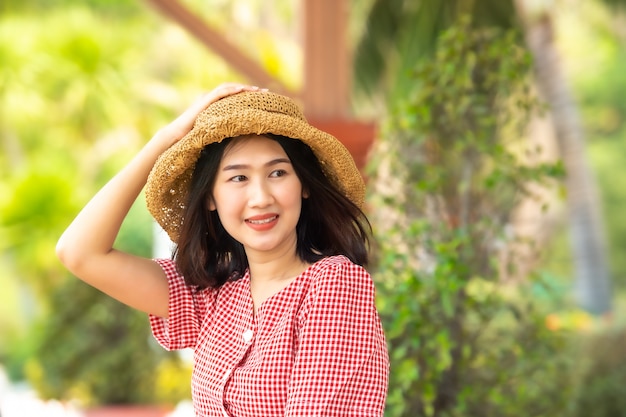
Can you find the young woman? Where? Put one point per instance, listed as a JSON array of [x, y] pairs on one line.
[[266, 284]]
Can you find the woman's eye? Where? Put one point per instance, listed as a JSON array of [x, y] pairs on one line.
[[238, 178], [278, 173]]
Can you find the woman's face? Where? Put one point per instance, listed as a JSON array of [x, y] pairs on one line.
[[258, 196]]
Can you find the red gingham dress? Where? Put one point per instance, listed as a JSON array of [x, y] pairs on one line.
[[316, 348]]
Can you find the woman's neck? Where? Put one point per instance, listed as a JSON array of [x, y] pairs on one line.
[[270, 276], [278, 268]]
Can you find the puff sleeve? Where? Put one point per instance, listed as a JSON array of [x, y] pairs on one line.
[[188, 308]]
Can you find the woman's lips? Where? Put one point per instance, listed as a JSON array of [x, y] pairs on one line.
[[262, 222]]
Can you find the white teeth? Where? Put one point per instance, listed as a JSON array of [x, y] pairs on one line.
[[269, 219]]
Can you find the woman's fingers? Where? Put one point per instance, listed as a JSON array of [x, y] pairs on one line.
[[219, 92], [225, 90], [183, 123]]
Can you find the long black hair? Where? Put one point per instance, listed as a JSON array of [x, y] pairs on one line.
[[329, 224]]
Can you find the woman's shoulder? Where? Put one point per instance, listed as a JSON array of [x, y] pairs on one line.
[[336, 261], [338, 267], [170, 269]]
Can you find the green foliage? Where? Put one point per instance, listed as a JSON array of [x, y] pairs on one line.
[[604, 114], [80, 91], [600, 388], [400, 32], [466, 337], [119, 7], [32, 215], [93, 349]]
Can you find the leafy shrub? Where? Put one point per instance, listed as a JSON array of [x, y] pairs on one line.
[[602, 375], [466, 337], [93, 349]]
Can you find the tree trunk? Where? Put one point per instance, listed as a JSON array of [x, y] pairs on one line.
[[592, 281]]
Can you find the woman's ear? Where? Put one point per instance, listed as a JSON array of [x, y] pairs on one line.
[[305, 193], [210, 204]]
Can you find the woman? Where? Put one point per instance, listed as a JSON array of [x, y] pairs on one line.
[[266, 284]]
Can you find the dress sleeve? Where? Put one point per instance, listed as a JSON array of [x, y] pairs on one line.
[[341, 364], [187, 309]]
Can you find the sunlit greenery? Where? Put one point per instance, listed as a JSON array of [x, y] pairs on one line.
[[81, 91], [461, 334]]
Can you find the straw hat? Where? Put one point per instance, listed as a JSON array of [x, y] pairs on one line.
[[245, 113]]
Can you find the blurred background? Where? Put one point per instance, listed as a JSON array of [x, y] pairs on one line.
[[492, 134]]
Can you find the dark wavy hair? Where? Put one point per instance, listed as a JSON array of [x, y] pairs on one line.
[[329, 224]]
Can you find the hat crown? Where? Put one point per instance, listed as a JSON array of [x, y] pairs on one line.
[[245, 101]]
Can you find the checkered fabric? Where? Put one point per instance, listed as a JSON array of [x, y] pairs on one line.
[[316, 348]]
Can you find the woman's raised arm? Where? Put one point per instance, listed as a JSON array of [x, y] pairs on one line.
[[86, 246]]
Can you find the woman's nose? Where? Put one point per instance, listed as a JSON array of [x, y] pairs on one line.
[[259, 194]]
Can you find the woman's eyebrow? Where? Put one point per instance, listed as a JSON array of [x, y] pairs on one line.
[[267, 164]]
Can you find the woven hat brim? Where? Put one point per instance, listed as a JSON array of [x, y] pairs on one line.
[[169, 180]]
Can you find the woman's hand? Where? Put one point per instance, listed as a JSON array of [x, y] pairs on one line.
[[180, 126]]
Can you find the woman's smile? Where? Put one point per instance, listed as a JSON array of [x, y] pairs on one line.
[[262, 222]]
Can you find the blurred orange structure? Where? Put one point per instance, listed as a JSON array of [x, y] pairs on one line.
[[327, 68]]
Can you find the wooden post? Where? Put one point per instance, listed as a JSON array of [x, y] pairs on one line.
[[327, 77], [327, 60]]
